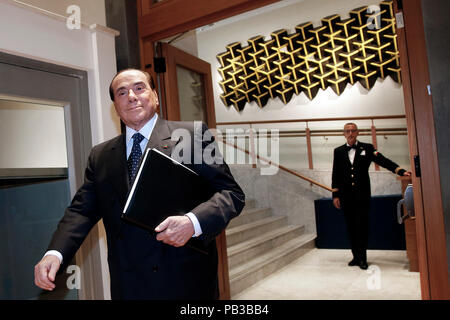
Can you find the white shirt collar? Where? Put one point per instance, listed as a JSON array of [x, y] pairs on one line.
[[146, 130]]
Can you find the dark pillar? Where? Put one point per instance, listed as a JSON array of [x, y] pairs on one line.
[[121, 15]]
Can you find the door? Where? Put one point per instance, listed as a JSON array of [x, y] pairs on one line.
[[187, 95], [431, 238], [45, 139]]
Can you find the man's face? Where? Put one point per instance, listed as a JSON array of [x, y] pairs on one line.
[[134, 100], [350, 133]]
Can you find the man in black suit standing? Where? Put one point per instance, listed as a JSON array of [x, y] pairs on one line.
[[351, 188], [141, 265]]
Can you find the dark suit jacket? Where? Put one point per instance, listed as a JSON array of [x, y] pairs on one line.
[[140, 266], [352, 180]]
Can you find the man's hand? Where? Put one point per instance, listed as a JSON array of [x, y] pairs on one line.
[[175, 230], [337, 203], [406, 174], [45, 272]]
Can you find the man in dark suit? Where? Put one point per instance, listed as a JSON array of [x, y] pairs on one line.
[[351, 188], [141, 265]]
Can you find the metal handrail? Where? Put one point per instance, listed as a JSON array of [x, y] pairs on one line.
[[311, 120], [270, 162], [325, 132], [394, 131]]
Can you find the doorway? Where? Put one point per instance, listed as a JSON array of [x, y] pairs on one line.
[[431, 235], [46, 138], [187, 83]]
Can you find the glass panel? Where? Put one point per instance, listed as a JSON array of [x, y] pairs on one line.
[[29, 215], [396, 148], [322, 150], [32, 136], [293, 153], [191, 95]]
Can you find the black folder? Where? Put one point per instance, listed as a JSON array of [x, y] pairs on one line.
[[163, 187]]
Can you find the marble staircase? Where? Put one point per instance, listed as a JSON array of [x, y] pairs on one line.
[[260, 243]]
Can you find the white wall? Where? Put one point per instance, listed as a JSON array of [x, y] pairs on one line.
[[38, 132], [386, 98], [92, 11], [44, 36], [35, 35]]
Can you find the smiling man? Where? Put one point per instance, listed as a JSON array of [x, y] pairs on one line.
[[141, 265], [135, 98], [351, 188]]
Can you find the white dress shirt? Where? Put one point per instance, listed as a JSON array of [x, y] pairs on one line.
[[146, 131], [352, 152]]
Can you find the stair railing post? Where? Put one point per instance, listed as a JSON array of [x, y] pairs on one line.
[[309, 148], [252, 146], [374, 142]]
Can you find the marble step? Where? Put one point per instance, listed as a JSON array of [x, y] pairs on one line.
[[249, 204], [246, 250], [249, 215], [256, 269], [249, 230]]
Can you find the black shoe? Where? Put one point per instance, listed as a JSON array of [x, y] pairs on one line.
[[363, 265], [354, 262]]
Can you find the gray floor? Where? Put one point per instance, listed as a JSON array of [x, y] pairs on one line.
[[323, 274]]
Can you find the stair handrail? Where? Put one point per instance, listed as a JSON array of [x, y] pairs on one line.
[[270, 162], [381, 117], [309, 133]]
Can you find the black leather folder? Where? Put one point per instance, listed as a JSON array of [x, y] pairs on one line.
[[163, 187]]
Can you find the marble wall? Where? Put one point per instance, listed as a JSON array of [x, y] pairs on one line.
[[293, 197]]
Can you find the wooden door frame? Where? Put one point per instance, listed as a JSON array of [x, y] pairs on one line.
[[431, 238], [413, 150], [170, 17], [175, 57]]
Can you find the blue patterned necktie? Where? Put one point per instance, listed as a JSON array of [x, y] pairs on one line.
[[135, 156]]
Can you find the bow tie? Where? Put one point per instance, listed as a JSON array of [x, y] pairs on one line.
[[351, 147]]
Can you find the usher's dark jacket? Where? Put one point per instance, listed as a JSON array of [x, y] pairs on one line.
[[352, 180]]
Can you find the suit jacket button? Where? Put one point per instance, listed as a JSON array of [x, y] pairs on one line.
[[352, 168], [353, 183], [155, 268]]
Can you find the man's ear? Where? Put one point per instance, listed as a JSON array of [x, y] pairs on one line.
[[156, 97]]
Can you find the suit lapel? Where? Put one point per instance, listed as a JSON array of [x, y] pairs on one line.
[[359, 149], [160, 138]]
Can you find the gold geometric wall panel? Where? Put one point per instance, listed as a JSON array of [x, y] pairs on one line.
[[361, 48]]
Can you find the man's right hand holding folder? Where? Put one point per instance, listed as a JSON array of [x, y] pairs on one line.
[[175, 231]]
